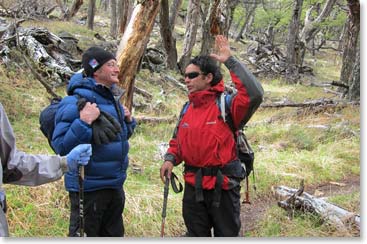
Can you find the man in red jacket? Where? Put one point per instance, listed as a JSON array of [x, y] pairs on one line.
[[205, 142]]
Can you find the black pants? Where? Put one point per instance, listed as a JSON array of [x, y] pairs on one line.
[[201, 217], [102, 213]]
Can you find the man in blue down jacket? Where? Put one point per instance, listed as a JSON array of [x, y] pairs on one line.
[[104, 196]]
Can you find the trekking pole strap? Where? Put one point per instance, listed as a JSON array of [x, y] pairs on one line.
[[175, 188]]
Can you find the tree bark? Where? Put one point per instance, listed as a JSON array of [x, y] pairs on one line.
[[74, 9], [250, 10], [169, 42], [123, 12], [227, 11], [311, 28], [91, 11], [132, 44], [352, 41], [63, 8], [190, 33], [354, 91], [113, 27], [174, 12], [292, 39], [211, 26]]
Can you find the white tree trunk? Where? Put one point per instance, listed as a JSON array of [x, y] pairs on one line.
[[132, 45]]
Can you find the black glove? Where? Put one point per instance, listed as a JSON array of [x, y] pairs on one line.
[[81, 103], [105, 128]]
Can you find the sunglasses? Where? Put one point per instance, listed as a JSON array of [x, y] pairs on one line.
[[192, 75]]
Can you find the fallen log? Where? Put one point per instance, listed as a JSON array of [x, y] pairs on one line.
[[315, 103], [175, 82], [297, 199], [154, 120], [143, 92]]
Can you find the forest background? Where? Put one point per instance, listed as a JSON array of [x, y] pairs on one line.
[[305, 54]]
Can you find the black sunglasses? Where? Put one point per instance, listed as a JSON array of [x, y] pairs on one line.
[[192, 75]]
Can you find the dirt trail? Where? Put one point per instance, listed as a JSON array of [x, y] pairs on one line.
[[252, 213]]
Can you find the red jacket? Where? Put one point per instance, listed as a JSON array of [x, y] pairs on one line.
[[203, 139]]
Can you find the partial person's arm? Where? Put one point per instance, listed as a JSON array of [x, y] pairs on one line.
[[21, 168], [249, 91]]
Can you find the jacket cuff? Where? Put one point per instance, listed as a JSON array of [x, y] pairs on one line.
[[64, 164], [230, 62], [170, 157]]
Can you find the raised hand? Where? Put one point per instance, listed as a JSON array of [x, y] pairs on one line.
[[223, 51]]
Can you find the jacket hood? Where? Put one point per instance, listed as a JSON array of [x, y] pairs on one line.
[[78, 81]]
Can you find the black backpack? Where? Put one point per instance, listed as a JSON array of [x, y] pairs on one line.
[[244, 151], [47, 119]]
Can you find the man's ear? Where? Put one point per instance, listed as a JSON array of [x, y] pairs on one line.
[[209, 77]]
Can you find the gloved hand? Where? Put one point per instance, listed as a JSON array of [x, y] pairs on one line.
[[79, 155], [105, 128]]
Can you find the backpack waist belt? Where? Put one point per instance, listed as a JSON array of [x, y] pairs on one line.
[[230, 169]]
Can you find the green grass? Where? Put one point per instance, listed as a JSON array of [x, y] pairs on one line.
[[288, 148]]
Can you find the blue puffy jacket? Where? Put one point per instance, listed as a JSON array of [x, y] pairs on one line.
[[109, 162]]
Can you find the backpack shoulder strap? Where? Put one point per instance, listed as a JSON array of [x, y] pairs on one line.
[[182, 113], [223, 102]]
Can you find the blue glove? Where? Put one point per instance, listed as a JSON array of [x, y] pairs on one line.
[[79, 155]]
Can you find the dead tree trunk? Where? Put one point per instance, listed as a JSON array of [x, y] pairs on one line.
[[131, 47]]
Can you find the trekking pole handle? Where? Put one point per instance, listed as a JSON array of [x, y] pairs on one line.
[[81, 171], [165, 194]]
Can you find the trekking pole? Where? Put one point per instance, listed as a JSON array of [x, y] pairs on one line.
[[247, 197], [165, 198], [81, 200]]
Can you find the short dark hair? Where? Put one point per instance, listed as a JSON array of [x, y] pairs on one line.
[[208, 65]]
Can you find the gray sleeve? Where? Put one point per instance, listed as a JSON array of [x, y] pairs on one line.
[[248, 80], [4, 231], [35, 169]]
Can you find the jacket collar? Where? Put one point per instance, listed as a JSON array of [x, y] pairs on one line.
[[205, 97]]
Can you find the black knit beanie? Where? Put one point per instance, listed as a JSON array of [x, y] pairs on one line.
[[94, 58]]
